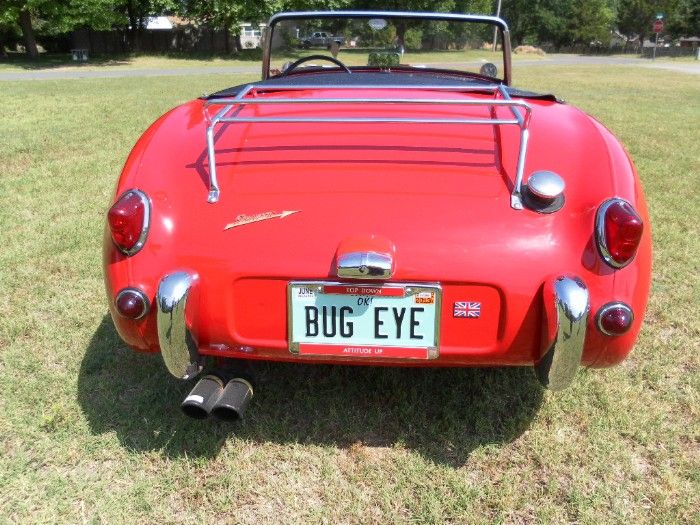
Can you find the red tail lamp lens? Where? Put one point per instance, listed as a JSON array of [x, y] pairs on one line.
[[615, 318], [619, 230], [132, 303], [128, 221]]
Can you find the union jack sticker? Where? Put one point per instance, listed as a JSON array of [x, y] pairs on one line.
[[467, 309]]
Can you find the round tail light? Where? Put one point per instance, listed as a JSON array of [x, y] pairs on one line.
[[614, 318], [128, 221], [132, 303], [618, 232]]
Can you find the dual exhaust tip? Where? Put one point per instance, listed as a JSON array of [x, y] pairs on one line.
[[213, 396]]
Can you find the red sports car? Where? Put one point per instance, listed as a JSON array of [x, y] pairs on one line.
[[391, 202]]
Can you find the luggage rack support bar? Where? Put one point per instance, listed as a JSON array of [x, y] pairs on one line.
[[516, 201], [521, 120], [214, 191]]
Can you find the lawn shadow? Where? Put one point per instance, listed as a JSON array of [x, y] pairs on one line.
[[65, 60], [62, 60], [444, 414]]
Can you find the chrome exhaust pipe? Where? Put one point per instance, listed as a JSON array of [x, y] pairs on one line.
[[200, 401], [233, 400]]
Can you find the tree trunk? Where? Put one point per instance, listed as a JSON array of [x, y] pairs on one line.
[[401, 35], [134, 27], [25, 22], [134, 39], [3, 52]]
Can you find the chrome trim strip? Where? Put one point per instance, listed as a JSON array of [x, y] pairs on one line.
[[600, 239], [138, 292], [146, 221], [480, 19], [364, 100], [571, 307], [387, 14], [365, 265], [301, 87], [177, 345], [411, 288], [609, 306], [367, 120], [521, 117]]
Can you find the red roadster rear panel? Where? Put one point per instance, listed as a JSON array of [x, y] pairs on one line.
[[439, 193]]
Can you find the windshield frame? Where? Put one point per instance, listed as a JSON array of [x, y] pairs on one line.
[[499, 23]]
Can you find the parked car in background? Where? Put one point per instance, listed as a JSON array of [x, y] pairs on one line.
[[380, 215], [321, 39]]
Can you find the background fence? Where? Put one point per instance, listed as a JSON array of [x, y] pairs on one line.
[[674, 51], [181, 39]]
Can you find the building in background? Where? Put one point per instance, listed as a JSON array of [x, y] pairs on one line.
[[251, 35]]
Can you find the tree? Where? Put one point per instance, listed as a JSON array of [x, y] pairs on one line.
[[635, 17], [135, 14], [25, 22], [685, 21], [559, 22], [440, 6], [591, 21], [96, 14], [8, 30], [563, 22], [24, 13], [522, 19], [29, 17]]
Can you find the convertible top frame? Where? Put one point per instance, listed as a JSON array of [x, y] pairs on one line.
[[230, 113]]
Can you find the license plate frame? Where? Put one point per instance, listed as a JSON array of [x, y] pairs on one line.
[[427, 351]]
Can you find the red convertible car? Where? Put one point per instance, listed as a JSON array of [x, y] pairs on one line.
[[374, 206]]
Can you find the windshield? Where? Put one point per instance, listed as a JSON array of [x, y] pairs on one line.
[[386, 43]]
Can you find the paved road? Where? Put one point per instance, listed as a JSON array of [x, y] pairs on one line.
[[692, 68], [552, 60]]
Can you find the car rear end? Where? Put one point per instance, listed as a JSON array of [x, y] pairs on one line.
[[378, 243]]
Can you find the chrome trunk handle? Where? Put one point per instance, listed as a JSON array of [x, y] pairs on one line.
[[365, 265]]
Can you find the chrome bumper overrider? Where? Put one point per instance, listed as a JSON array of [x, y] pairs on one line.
[[176, 343], [566, 311], [566, 307]]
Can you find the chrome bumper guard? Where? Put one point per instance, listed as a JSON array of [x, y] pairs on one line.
[[567, 307], [177, 346]]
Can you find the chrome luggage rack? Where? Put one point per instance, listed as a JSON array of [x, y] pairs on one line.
[[521, 116]]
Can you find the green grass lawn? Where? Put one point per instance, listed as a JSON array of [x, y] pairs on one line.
[[678, 59], [248, 58], [92, 433]]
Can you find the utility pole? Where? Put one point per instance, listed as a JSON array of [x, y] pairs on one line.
[[495, 29]]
